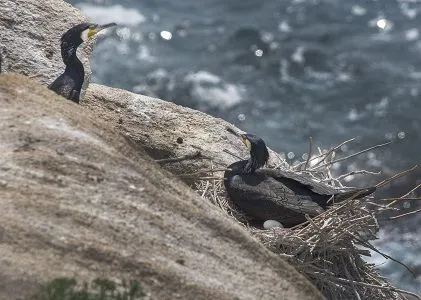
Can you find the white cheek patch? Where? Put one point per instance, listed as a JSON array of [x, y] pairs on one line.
[[85, 35]]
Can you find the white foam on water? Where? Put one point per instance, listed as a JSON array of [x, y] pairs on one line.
[[203, 76], [358, 10], [380, 108], [115, 13], [284, 26], [409, 12], [209, 88], [145, 54], [353, 115], [412, 34], [298, 55]]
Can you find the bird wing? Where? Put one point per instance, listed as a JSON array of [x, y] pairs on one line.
[[64, 85], [266, 198], [281, 194], [298, 180]]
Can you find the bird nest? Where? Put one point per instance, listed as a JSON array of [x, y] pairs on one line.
[[328, 248]]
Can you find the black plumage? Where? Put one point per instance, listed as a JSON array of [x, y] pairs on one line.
[[69, 84], [272, 194]]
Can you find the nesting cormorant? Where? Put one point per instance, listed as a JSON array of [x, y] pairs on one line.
[[70, 82], [272, 194]]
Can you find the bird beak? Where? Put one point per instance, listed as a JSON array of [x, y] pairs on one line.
[[93, 31]]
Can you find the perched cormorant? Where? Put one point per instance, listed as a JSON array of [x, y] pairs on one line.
[[272, 194], [70, 82]]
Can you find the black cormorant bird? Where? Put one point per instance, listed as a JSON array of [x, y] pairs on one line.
[[272, 194], [70, 82]]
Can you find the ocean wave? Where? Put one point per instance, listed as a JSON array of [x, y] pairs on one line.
[[115, 13], [209, 88]]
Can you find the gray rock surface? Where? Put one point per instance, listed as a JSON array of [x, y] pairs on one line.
[[30, 37], [79, 199], [165, 129]]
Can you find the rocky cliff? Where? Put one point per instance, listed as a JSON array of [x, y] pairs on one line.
[[165, 129], [80, 197], [79, 200]]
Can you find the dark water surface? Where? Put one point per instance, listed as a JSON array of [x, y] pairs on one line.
[[285, 70]]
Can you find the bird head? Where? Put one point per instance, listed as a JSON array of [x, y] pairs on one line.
[[82, 32], [259, 153]]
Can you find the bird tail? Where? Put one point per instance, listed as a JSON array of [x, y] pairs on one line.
[[354, 194]]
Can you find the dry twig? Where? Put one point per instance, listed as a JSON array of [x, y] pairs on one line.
[[351, 155], [405, 214], [310, 150]]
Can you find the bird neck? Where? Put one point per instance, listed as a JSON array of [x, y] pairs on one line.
[[244, 167], [251, 166], [70, 59]]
